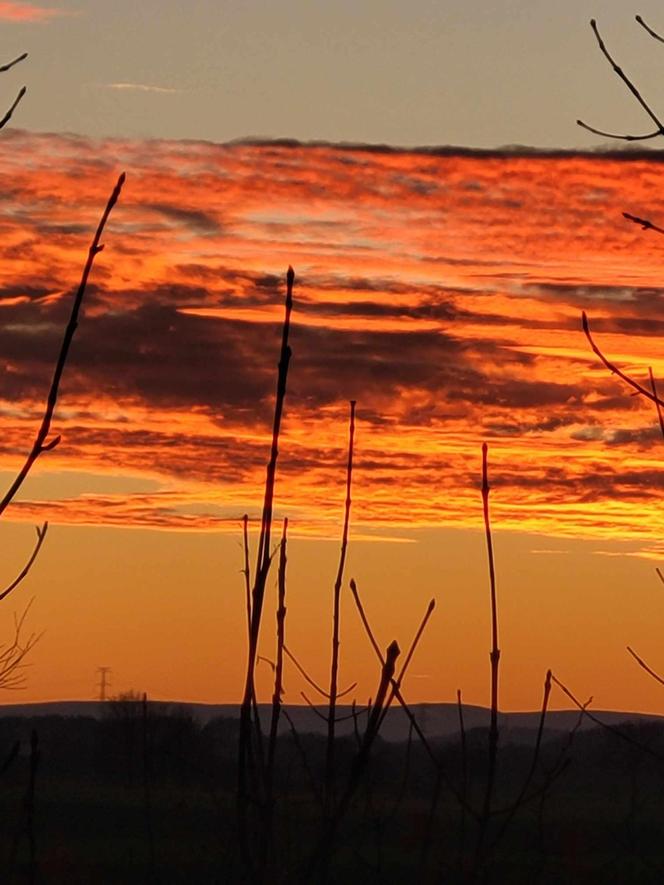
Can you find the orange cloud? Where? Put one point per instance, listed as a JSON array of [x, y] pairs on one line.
[[26, 12], [441, 290]]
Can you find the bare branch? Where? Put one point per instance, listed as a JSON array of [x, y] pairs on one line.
[[10, 112], [632, 88], [404, 706], [643, 664], [41, 534], [334, 664], [643, 222], [245, 571], [605, 725], [10, 64], [396, 683], [311, 681], [494, 655], [653, 386], [12, 656], [279, 667], [40, 445], [647, 28], [613, 368]]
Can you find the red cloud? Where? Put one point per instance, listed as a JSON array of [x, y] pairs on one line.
[[26, 12]]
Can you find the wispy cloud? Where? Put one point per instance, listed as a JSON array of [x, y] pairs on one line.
[[26, 12], [142, 87]]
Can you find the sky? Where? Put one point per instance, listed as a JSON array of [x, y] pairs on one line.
[[441, 288]]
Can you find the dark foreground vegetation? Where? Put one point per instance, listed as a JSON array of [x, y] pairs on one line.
[[146, 794]]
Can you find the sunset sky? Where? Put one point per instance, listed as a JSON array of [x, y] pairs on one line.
[[440, 287]]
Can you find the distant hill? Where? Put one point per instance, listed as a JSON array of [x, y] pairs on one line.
[[436, 720]]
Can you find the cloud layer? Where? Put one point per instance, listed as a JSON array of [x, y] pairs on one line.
[[440, 290]]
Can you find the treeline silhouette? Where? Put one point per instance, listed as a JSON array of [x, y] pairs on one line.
[[603, 821]]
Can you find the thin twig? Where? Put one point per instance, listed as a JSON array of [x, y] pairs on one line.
[[10, 112], [13, 655], [653, 385], [612, 728], [266, 847], [41, 535], [40, 445], [647, 28], [396, 683], [334, 664], [520, 799], [311, 681], [279, 666], [643, 664], [613, 368], [324, 848], [404, 706], [10, 64], [632, 88], [245, 571], [494, 658], [643, 222]]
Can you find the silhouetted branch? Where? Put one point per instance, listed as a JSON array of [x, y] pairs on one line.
[[10, 112], [311, 681], [334, 665], [643, 664], [494, 658], [396, 683], [245, 571], [10, 64], [522, 797], [263, 560], [632, 88], [12, 655], [613, 368], [643, 222], [324, 847], [40, 444], [653, 386], [404, 706], [279, 666], [647, 28], [41, 534], [605, 725]]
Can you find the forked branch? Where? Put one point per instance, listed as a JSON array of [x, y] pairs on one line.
[[632, 88]]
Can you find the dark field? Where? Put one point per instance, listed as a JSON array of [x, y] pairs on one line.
[[125, 799]]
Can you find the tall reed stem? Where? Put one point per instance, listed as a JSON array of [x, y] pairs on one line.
[[494, 658], [263, 560], [334, 666]]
